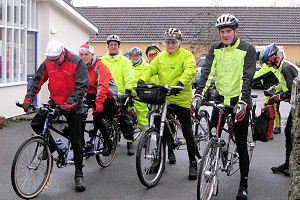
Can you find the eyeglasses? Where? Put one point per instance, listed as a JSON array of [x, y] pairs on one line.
[[171, 42], [55, 60], [152, 55]]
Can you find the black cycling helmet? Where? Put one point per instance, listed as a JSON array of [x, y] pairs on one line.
[[113, 38], [270, 55], [227, 21], [152, 47]]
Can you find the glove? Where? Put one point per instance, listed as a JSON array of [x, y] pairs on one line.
[[240, 111], [128, 92], [140, 82], [177, 90], [60, 109], [273, 99], [26, 104], [196, 103]]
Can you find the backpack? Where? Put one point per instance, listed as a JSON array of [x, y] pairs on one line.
[[264, 124]]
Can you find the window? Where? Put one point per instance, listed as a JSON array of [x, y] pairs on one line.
[[17, 17]]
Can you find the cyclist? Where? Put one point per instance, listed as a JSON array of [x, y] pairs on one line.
[[139, 65], [269, 77], [68, 83], [103, 90], [287, 72], [177, 66], [123, 75], [152, 51], [233, 62]]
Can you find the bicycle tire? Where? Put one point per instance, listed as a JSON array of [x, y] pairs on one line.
[[205, 174], [202, 131], [112, 129], [150, 171], [34, 161]]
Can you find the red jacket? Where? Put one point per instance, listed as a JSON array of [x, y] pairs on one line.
[[101, 82], [68, 82]]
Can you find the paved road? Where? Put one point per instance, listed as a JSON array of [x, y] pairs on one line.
[[119, 181]]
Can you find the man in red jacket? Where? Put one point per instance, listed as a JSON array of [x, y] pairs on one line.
[[68, 83], [102, 89]]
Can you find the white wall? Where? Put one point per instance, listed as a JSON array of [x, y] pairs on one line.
[[9, 95]]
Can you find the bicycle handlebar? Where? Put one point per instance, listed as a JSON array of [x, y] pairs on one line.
[[31, 108]]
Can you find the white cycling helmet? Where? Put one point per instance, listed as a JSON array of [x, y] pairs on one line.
[[54, 48], [135, 50], [173, 34], [227, 21], [113, 38]]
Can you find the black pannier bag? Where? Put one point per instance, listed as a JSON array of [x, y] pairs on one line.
[[264, 124], [151, 93]]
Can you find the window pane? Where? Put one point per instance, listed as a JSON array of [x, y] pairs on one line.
[[17, 12], [9, 52], [22, 56], [1, 56], [9, 12], [16, 55], [1, 6], [23, 4]]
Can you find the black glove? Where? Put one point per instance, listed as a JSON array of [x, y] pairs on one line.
[[273, 99], [177, 90], [240, 111], [128, 92], [26, 106], [140, 82], [196, 103]]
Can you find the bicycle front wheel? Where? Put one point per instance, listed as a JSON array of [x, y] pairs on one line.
[[112, 130], [202, 131], [31, 168], [207, 174], [150, 158]]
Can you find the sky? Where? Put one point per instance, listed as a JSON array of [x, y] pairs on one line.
[[182, 3]]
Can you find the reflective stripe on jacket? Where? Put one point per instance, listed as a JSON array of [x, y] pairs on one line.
[[121, 70], [171, 68], [234, 67]]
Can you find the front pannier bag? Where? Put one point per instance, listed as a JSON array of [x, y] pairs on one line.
[[151, 94]]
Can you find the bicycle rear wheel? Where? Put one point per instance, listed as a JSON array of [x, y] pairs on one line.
[[250, 142], [112, 130], [150, 158], [201, 131], [31, 168], [207, 174]]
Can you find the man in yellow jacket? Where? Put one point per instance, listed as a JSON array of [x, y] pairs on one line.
[[177, 66], [123, 75]]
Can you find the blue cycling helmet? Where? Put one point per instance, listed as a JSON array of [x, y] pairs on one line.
[[270, 54]]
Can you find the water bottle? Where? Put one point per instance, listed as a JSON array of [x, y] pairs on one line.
[[60, 145]]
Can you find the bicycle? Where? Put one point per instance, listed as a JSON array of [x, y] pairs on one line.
[[33, 161], [221, 155], [151, 153]]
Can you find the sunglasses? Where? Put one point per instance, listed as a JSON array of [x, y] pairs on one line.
[[152, 54], [54, 60]]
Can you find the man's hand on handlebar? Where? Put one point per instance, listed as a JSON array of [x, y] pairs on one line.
[[176, 91]]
